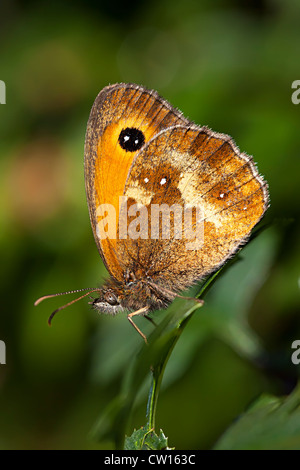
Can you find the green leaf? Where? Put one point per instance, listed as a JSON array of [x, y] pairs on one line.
[[143, 439], [271, 423]]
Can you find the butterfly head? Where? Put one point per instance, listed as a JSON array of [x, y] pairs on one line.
[[108, 302], [115, 297]]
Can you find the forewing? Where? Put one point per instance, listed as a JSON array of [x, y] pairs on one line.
[[107, 165]]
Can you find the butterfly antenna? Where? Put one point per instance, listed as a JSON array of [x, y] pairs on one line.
[[38, 301], [44, 297]]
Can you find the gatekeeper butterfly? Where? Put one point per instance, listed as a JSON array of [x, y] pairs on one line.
[[150, 175]]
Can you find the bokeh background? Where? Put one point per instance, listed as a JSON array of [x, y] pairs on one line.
[[227, 64]]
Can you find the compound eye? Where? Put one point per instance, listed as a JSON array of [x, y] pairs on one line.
[[110, 298]]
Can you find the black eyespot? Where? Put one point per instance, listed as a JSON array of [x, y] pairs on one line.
[[110, 298], [131, 139]]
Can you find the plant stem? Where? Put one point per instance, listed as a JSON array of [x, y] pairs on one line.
[[152, 398]]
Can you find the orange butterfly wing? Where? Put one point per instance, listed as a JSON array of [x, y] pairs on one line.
[[107, 164]]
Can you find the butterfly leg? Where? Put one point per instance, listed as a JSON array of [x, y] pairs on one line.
[[138, 312]]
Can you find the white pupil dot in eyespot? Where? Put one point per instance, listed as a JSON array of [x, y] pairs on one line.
[[163, 181], [221, 195], [126, 138], [146, 180]]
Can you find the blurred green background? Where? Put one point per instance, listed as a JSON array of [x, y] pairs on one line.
[[227, 64]]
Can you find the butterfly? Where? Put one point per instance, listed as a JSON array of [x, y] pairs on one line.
[[169, 201]]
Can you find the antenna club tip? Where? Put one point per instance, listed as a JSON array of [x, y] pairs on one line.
[[51, 317]]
